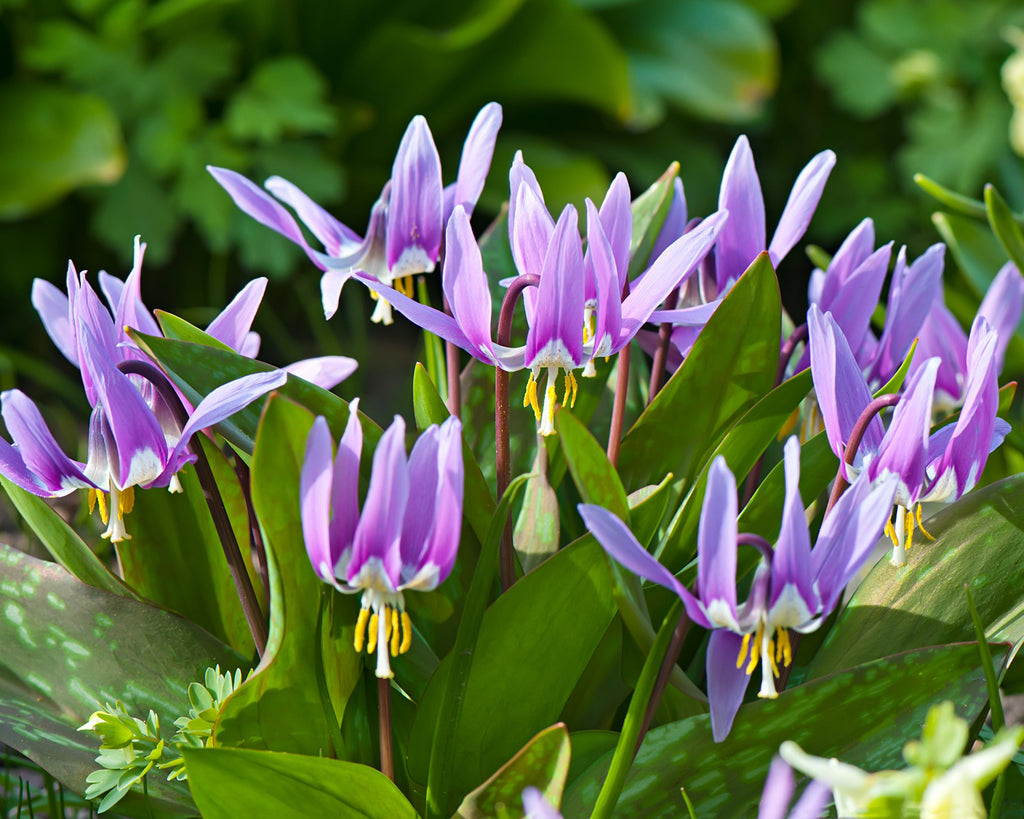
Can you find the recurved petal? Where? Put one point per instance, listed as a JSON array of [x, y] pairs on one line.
[[36, 462], [338, 239], [616, 539], [326, 371], [1002, 307], [315, 499], [232, 324], [477, 153], [792, 601], [856, 247], [617, 221], [531, 229], [465, 285], [726, 683], [52, 306], [743, 236], [600, 260], [800, 207], [675, 220], [345, 493], [716, 547], [378, 535], [414, 213]]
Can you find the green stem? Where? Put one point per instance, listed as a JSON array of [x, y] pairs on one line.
[[623, 758], [433, 347]]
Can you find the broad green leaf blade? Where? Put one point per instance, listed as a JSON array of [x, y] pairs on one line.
[[177, 329], [232, 782], [535, 642], [175, 559], [731, 367], [542, 763], [649, 211], [980, 542], [593, 474], [54, 140], [862, 716], [62, 542], [68, 648], [279, 708]]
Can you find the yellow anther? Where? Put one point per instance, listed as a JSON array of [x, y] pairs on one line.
[[790, 425], [387, 625], [908, 529], [360, 636], [530, 399], [771, 657], [571, 388], [404, 285], [890, 530], [371, 644], [784, 648], [127, 500], [394, 630], [920, 525], [101, 501], [755, 649], [743, 650], [550, 394], [406, 633]]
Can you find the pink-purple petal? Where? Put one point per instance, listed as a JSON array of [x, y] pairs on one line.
[[743, 236], [414, 218], [233, 323], [315, 499], [726, 683], [326, 371], [477, 153], [791, 563], [803, 201], [716, 546]]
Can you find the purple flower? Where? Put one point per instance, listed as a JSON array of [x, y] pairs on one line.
[[406, 535], [577, 311], [941, 466], [778, 792], [404, 233], [535, 806], [794, 586]]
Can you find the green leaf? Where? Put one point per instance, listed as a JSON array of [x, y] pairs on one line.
[[175, 558], [951, 199], [284, 95], [535, 642], [537, 530], [976, 251], [649, 211], [593, 474], [731, 366], [54, 140], [542, 763], [69, 648], [863, 716], [62, 542], [1007, 231], [978, 542], [228, 783], [716, 59]]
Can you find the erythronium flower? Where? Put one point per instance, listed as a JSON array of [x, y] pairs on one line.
[[938, 467], [404, 538], [778, 792], [535, 806], [557, 321], [404, 234], [794, 587], [232, 326]]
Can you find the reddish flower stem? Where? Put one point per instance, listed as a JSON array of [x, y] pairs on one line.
[[870, 411]]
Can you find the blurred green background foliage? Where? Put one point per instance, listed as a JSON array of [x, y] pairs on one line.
[[112, 108]]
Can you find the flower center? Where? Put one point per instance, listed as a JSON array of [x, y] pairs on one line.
[[121, 503], [901, 533], [546, 417], [383, 625], [770, 651]]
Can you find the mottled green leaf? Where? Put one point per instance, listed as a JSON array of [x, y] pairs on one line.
[[542, 763], [228, 783], [863, 716], [979, 541], [593, 474], [1007, 230]]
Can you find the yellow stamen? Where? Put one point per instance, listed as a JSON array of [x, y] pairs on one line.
[[770, 654], [372, 641], [890, 530], [530, 399], [550, 394], [755, 649], [920, 525], [404, 285], [101, 501], [406, 633], [127, 500], [360, 637], [784, 650], [743, 651], [571, 388], [387, 626], [395, 633], [790, 425]]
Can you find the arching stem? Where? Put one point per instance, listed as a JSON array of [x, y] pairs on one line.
[[870, 411], [503, 461], [232, 552], [619, 404], [661, 354]]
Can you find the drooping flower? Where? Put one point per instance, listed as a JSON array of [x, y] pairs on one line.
[[406, 223], [928, 467], [134, 437], [794, 587], [564, 334], [404, 537]]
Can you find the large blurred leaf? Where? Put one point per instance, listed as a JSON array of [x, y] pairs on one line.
[[863, 716], [731, 366], [68, 648], [976, 251], [228, 783], [53, 141], [980, 542], [717, 59], [542, 763], [534, 643], [280, 707]]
